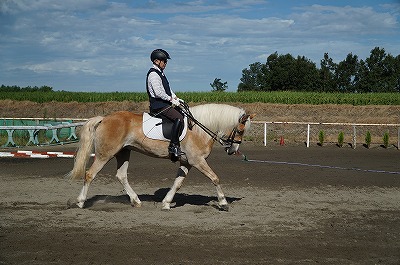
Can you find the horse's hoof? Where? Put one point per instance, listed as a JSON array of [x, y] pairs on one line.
[[137, 204], [166, 207], [80, 204], [224, 208]]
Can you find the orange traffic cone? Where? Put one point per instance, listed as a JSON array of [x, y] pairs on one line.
[[282, 142]]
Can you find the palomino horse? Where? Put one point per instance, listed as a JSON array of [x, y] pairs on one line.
[[119, 133]]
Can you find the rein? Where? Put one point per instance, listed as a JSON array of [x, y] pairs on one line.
[[224, 142]]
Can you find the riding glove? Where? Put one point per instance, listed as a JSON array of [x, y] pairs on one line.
[[175, 102]]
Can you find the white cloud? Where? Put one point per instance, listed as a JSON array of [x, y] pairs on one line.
[[343, 20], [206, 39], [228, 25], [17, 6]]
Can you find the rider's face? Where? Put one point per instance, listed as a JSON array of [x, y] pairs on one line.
[[161, 64]]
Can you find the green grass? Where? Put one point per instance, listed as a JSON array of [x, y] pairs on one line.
[[282, 97]]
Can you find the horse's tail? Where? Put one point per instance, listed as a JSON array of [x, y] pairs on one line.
[[87, 136]]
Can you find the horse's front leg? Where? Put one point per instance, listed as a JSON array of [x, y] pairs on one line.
[[204, 168], [180, 177]]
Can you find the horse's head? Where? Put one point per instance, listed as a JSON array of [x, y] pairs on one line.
[[236, 135], [223, 123]]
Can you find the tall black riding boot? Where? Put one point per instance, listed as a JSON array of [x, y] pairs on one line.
[[174, 148]]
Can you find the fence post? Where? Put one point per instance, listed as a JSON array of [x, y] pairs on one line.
[[398, 138], [33, 137], [54, 134], [354, 137], [265, 134], [308, 135], [10, 138]]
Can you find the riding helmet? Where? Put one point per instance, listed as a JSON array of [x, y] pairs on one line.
[[159, 54]]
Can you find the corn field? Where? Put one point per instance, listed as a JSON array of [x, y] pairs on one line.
[[282, 97]]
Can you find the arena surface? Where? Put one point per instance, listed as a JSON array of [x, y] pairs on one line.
[[288, 205]]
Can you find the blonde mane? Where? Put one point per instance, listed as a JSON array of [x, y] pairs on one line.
[[219, 118]]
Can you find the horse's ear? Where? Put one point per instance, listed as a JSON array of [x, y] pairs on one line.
[[245, 117]]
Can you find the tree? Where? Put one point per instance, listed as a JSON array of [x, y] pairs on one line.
[[327, 74], [254, 78], [306, 77], [14, 88], [380, 72], [218, 86], [284, 72], [280, 72], [45, 89], [346, 74]]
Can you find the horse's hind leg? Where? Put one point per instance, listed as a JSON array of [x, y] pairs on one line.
[[180, 177], [97, 165], [122, 175]]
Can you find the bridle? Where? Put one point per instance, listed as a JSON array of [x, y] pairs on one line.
[[224, 142], [232, 135]]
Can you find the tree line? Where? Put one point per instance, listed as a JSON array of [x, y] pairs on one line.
[[380, 72], [4, 88]]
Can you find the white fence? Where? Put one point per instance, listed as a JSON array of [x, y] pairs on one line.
[[65, 123], [309, 124], [33, 130]]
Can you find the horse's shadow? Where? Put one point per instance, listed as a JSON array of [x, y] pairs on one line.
[[180, 199]]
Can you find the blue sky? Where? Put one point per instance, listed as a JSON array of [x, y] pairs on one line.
[[102, 45]]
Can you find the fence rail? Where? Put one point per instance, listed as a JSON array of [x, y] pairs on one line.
[[309, 124], [33, 130]]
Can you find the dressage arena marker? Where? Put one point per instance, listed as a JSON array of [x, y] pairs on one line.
[[38, 154], [319, 166]]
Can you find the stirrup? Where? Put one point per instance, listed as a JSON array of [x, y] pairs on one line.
[[175, 152]]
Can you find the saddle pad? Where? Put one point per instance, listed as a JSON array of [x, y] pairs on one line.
[[152, 128]]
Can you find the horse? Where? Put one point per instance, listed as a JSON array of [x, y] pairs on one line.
[[118, 133]]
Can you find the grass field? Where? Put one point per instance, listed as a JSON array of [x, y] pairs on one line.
[[281, 97]]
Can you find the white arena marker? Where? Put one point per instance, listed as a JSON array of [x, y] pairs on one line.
[[65, 155], [39, 156], [55, 153], [24, 152], [6, 154]]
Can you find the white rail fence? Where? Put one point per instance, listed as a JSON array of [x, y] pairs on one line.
[[66, 123], [310, 124], [33, 130]]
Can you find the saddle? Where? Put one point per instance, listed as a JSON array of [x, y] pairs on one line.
[[160, 128]]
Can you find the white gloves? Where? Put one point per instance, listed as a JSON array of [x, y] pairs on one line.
[[175, 102]]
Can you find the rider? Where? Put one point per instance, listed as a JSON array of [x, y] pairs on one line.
[[163, 100]]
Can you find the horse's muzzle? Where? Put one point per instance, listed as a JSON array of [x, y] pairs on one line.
[[232, 149]]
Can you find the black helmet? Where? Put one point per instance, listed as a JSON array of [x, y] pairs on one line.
[[159, 54]]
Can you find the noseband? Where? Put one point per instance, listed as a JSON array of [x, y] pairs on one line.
[[231, 138]]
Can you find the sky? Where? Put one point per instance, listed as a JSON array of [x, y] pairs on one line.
[[105, 46]]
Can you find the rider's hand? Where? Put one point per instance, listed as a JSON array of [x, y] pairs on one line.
[[175, 102]]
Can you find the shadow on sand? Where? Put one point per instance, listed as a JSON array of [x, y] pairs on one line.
[[180, 199]]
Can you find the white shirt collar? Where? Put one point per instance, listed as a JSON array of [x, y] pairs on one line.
[[157, 68]]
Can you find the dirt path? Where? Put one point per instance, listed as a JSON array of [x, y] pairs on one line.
[[264, 111], [285, 208]]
